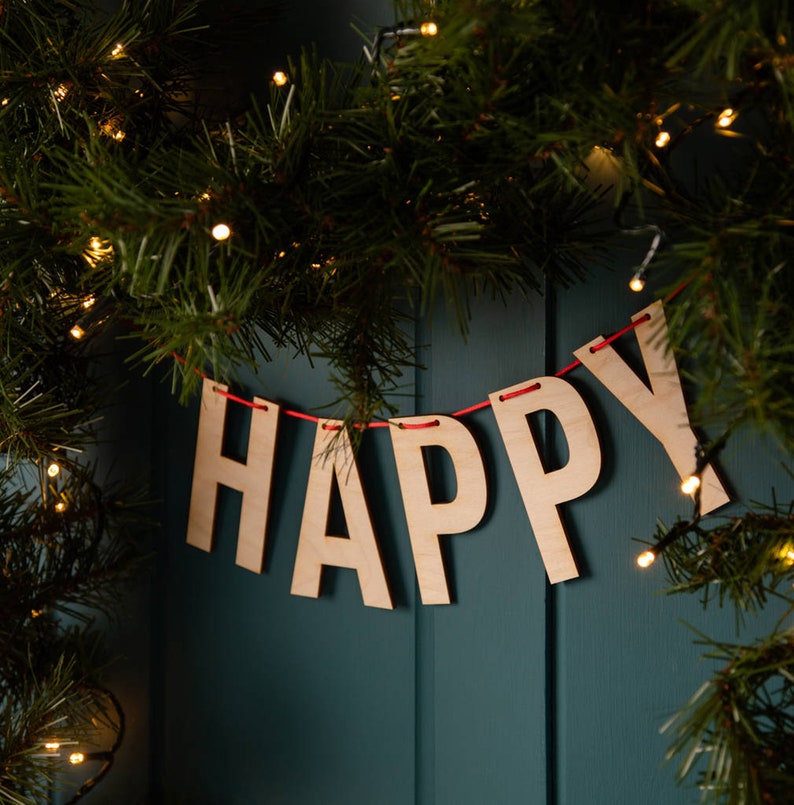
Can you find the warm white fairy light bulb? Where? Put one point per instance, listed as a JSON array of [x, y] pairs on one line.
[[76, 758], [428, 29], [117, 51], [77, 332], [52, 746], [646, 559], [662, 139], [221, 231], [97, 251], [280, 78], [726, 117], [54, 469], [690, 485], [637, 283], [60, 507], [112, 128]]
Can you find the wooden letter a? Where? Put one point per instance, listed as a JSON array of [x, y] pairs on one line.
[[333, 457]]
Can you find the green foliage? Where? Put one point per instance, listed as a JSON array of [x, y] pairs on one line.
[[740, 560], [454, 165], [734, 735], [65, 549], [39, 709], [348, 204], [737, 730]]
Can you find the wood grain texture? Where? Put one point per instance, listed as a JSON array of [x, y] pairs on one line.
[[332, 457], [252, 478], [428, 520], [662, 408], [542, 490]]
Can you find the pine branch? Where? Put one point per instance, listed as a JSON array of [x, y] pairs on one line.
[[66, 549], [740, 560], [736, 733], [51, 706]]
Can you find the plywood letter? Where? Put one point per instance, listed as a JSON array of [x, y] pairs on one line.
[[252, 477], [661, 409], [333, 457], [428, 520], [540, 490]]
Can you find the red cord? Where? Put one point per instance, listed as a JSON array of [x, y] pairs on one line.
[[416, 425], [519, 392], [463, 411], [615, 336]]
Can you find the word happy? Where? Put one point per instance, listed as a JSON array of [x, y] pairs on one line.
[[659, 406]]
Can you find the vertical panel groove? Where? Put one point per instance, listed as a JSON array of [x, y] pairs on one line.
[[424, 697], [424, 641], [550, 612]]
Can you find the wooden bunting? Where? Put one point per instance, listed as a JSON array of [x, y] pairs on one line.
[[659, 406]]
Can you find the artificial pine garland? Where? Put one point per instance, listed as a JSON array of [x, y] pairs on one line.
[[452, 162]]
